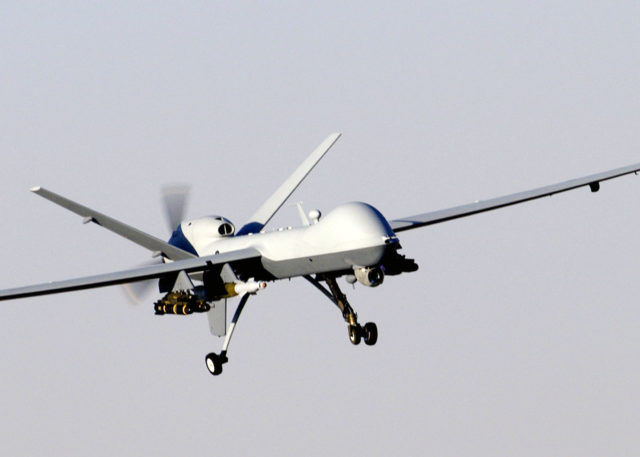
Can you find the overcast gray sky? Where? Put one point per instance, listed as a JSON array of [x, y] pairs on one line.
[[517, 336]]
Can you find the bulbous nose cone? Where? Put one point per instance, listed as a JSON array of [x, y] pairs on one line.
[[355, 223]]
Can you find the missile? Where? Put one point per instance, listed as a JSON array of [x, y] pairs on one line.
[[249, 287]]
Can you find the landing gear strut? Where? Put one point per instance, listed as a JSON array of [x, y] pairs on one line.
[[368, 332], [215, 361]]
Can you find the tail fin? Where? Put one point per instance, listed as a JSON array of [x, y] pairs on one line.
[[143, 239], [269, 208]]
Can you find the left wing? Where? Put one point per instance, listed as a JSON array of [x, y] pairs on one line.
[[133, 275], [435, 217]]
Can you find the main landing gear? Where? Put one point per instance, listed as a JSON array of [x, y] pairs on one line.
[[216, 361], [357, 332]]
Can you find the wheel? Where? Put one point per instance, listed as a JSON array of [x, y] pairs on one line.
[[370, 331], [214, 364], [355, 334]]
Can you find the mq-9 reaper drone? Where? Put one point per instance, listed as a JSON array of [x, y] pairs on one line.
[[207, 261]]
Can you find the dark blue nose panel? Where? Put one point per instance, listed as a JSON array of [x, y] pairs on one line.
[[180, 241]]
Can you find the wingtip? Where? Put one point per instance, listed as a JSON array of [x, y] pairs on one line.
[[35, 189]]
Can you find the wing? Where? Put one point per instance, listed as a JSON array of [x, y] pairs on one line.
[[593, 181], [137, 274], [280, 196], [143, 239]]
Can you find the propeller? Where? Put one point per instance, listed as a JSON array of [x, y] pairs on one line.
[[174, 199], [135, 292]]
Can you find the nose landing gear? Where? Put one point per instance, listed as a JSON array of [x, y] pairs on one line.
[[357, 332], [368, 333]]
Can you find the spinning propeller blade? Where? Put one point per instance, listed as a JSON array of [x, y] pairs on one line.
[[174, 199], [137, 291]]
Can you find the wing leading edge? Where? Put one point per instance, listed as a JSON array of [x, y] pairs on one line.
[[435, 217], [137, 274]]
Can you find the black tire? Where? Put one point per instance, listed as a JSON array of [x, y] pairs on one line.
[[370, 331], [355, 334], [214, 364]]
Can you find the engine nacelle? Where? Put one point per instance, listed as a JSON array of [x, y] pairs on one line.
[[369, 276], [192, 236]]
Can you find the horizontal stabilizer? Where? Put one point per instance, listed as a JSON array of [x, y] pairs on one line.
[[137, 236]]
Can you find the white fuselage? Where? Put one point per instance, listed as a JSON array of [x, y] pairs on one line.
[[352, 235]]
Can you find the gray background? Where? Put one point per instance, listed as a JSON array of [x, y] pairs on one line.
[[517, 336]]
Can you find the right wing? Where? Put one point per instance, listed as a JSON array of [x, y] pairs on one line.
[[137, 236], [137, 274], [435, 217]]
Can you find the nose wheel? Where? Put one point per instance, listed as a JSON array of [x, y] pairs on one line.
[[368, 333], [356, 332]]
